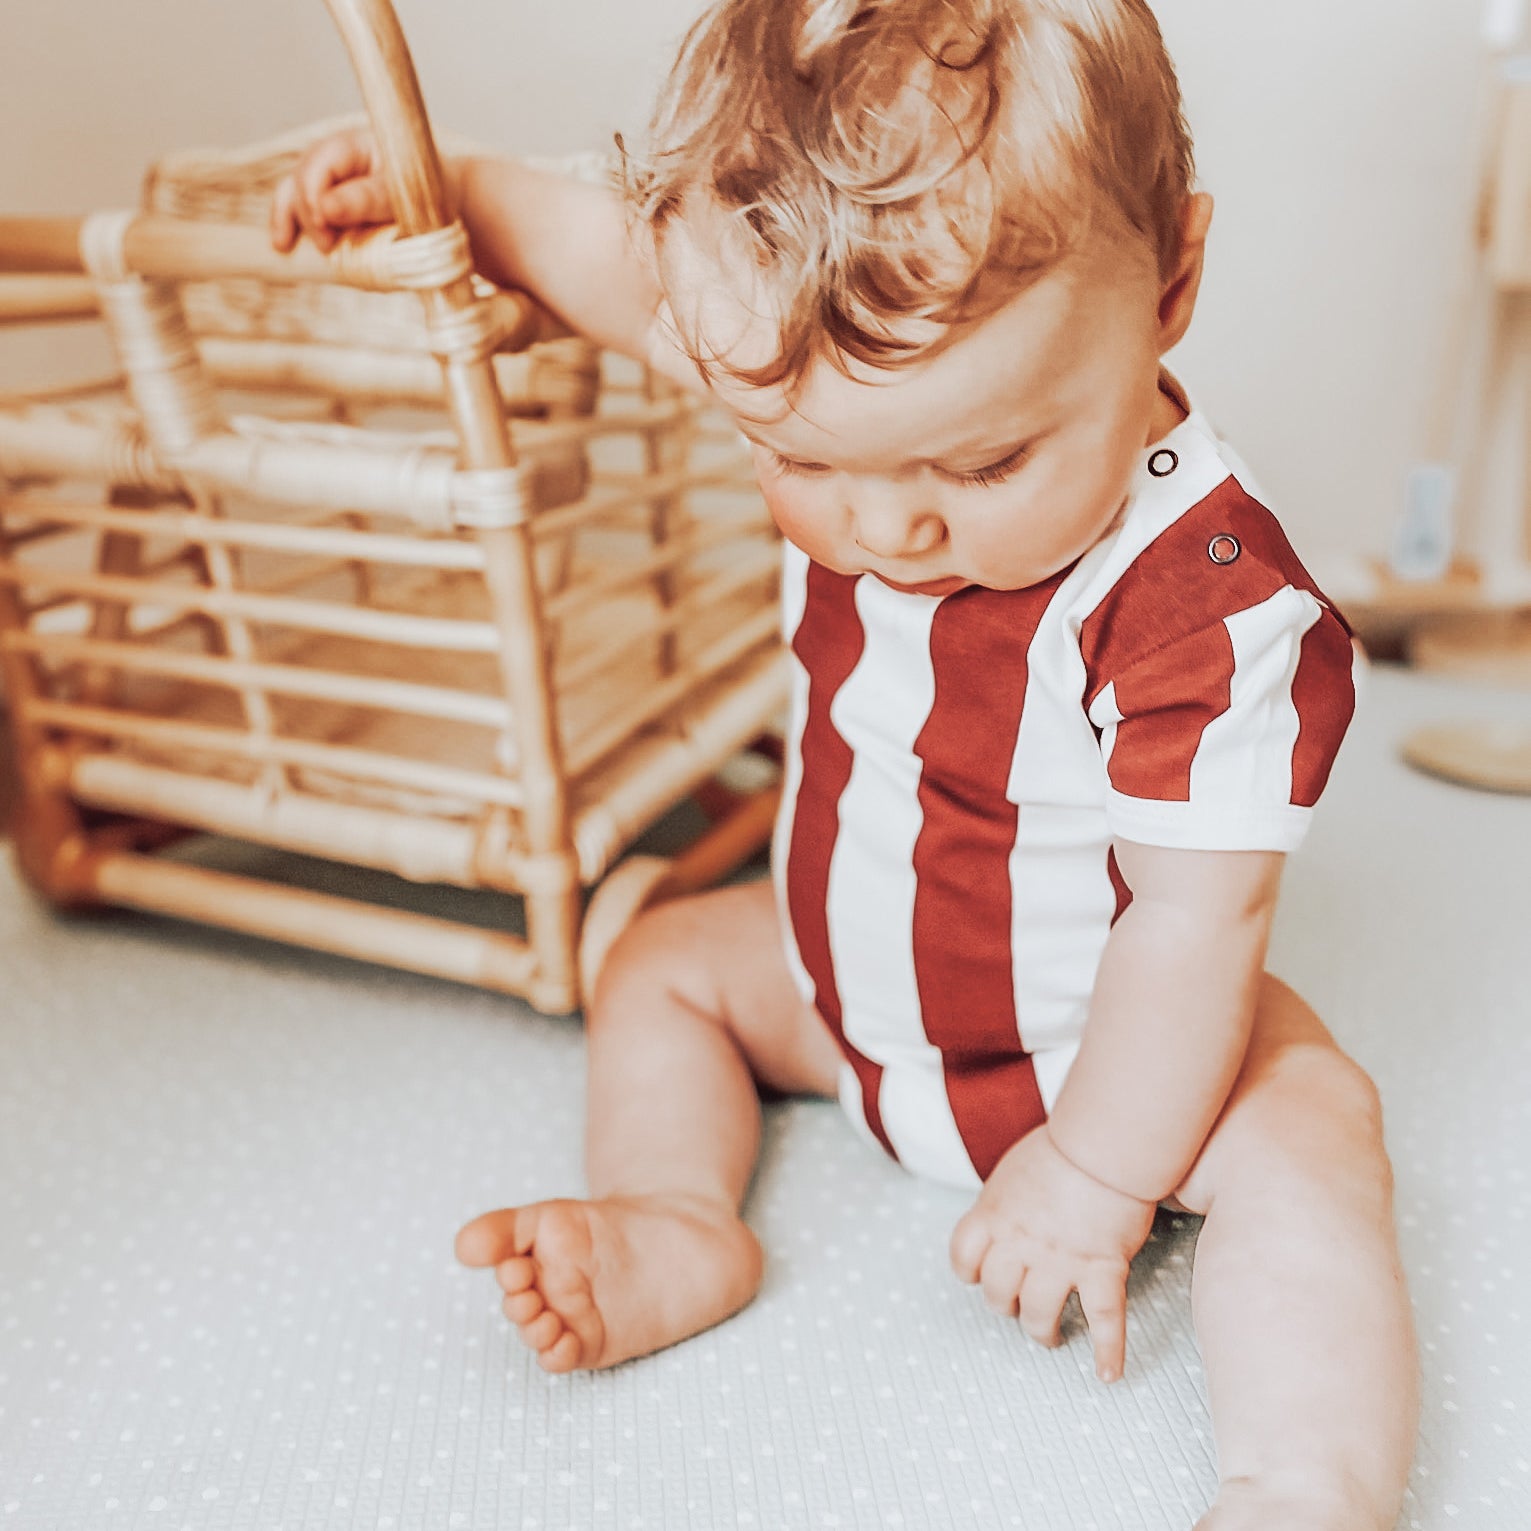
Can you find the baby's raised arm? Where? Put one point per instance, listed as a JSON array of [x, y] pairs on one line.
[[568, 243]]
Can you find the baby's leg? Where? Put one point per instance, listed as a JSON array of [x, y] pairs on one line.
[[1298, 1295], [694, 1004]]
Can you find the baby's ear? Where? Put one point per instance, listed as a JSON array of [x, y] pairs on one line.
[[1177, 294]]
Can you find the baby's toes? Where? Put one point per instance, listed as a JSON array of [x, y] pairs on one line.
[[522, 1307], [493, 1237], [516, 1275], [544, 1331], [563, 1355]]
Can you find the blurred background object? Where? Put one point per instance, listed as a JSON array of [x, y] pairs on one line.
[[1461, 577]]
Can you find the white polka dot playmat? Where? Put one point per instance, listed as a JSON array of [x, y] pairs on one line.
[[230, 1174]]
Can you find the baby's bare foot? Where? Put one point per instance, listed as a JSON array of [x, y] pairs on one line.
[[1257, 1504], [592, 1283]]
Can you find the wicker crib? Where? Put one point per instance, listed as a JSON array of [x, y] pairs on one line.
[[287, 581]]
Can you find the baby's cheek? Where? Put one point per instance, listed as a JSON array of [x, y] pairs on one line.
[[793, 511]]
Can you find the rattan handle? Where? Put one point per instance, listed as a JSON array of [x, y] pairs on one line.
[[391, 92]]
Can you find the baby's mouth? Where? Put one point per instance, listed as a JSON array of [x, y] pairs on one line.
[[932, 587]]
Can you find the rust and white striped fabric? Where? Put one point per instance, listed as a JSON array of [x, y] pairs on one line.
[[958, 768]]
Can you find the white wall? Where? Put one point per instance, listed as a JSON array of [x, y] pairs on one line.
[[1336, 135]]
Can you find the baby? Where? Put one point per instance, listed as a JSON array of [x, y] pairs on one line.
[[1063, 699]]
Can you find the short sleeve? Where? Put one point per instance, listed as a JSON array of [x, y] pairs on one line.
[[1220, 695]]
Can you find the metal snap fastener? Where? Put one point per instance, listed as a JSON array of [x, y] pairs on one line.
[[1223, 548], [1163, 463]]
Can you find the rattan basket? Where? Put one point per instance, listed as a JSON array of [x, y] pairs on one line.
[[288, 582]]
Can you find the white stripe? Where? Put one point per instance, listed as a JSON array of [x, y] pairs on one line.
[[1105, 715], [917, 1116], [879, 713], [1154, 505], [1052, 1068], [1061, 898], [1245, 756], [1202, 827], [794, 600]]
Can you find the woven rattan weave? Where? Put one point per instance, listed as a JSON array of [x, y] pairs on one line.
[[288, 580]]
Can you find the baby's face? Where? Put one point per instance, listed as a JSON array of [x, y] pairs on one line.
[[996, 461]]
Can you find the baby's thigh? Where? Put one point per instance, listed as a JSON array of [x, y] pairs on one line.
[[721, 954], [1300, 1112]]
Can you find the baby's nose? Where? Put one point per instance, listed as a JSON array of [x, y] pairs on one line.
[[893, 523]]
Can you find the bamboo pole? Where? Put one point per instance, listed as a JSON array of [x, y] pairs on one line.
[[410, 481], [31, 299], [74, 391], [165, 249], [413, 173], [617, 727], [270, 536], [375, 376], [238, 638], [40, 246], [669, 620], [120, 556], [408, 844], [632, 494], [409, 631], [51, 442], [239, 744], [48, 833], [724, 847], [415, 942], [343, 687], [413, 482], [664, 450], [579, 599], [620, 799], [311, 571]]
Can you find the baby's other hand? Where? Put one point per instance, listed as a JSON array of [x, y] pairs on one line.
[[334, 187], [1042, 1228]]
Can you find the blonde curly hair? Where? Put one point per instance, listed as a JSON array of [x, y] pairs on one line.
[[886, 162]]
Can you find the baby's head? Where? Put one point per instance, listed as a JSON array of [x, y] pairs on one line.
[[898, 235]]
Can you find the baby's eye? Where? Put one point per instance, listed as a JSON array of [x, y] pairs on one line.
[[995, 472], [790, 465]]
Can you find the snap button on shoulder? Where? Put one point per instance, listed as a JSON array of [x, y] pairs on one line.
[[1163, 463], [1223, 548]]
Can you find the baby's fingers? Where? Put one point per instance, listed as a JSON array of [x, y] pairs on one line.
[[1044, 1294], [1004, 1271], [356, 203], [1103, 1296], [283, 223], [303, 197], [970, 1243]]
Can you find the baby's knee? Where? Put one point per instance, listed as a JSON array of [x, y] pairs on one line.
[[1310, 1121], [1322, 1081], [657, 948], [679, 951]]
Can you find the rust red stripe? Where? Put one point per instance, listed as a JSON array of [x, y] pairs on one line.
[[1324, 710], [1160, 627], [829, 641], [962, 904], [1118, 885]]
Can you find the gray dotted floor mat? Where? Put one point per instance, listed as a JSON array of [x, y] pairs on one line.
[[230, 1174]]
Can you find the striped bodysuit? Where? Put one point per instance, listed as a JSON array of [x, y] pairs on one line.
[[958, 766]]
